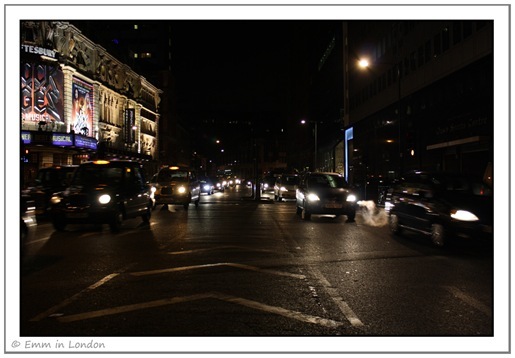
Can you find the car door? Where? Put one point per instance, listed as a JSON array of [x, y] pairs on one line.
[[137, 194]]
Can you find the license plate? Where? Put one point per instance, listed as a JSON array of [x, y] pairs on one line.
[[333, 206], [77, 215]]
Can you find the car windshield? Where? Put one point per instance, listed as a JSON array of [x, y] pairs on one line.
[[54, 177], [326, 181], [97, 175], [294, 180], [172, 175]]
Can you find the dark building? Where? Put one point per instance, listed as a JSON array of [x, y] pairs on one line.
[[425, 101]]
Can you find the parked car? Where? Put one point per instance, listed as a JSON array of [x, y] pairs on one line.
[[174, 185], [48, 181], [206, 186], [325, 194], [443, 206], [285, 187], [103, 192]]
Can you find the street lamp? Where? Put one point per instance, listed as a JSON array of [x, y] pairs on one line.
[[316, 140], [364, 63]]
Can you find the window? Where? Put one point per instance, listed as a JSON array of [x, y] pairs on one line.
[[445, 39], [428, 51], [437, 45], [456, 32]]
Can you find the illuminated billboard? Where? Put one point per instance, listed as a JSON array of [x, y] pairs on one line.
[[82, 110], [41, 95]]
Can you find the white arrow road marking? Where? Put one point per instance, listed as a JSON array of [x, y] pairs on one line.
[[337, 299], [244, 267], [212, 295], [469, 300], [218, 248]]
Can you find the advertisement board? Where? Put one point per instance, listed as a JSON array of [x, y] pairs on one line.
[[82, 111], [41, 95]]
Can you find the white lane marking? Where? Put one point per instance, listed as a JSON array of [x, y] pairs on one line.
[[218, 248], [69, 300], [469, 300], [338, 300], [213, 295], [73, 298], [195, 267]]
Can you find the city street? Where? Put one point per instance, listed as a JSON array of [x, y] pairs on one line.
[[235, 266]]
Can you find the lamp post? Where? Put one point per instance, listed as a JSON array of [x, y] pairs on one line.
[[316, 141], [364, 63]]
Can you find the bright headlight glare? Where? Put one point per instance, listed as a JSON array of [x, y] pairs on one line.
[[463, 215], [153, 189], [55, 199], [313, 197], [351, 197], [207, 187], [104, 198], [283, 189], [182, 190]]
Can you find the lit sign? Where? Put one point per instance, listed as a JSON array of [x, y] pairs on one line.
[[38, 50], [26, 137], [62, 139], [85, 142]]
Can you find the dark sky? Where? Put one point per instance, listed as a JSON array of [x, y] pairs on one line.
[[232, 65]]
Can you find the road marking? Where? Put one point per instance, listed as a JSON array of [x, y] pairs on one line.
[[212, 295], [69, 300], [469, 300], [73, 298], [218, 248], [338, 300], [195, 267]]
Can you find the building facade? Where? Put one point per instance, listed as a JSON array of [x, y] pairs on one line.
[[79, 103], [425, 100]]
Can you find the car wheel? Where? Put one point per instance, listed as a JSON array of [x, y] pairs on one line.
[[437, 235], [116, 221], [59, 223], [148, 213], [305, 214], [393, 221], [351, 216]]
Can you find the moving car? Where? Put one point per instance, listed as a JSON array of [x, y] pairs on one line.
[[175, 186], [103, 192], [325, 194], [206, 186], [286, 187], [267, 184], [443, 206], [48, 181], [27, 218]]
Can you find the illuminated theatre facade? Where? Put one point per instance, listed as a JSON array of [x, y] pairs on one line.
[[79, 103]]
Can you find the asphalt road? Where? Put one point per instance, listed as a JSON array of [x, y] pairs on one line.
[[237, 267]]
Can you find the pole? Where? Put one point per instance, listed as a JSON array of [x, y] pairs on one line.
[[316, 144]]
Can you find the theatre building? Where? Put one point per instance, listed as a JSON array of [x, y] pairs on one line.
[[79, 103]]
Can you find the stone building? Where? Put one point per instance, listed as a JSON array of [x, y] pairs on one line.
[[79, 103]]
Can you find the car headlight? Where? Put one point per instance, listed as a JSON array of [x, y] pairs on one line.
[[104, 198], [153, 189], [463, 215], [313, 197], [283, 189], [207, 187], [55, 199], [351, 197], [181, 190]]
